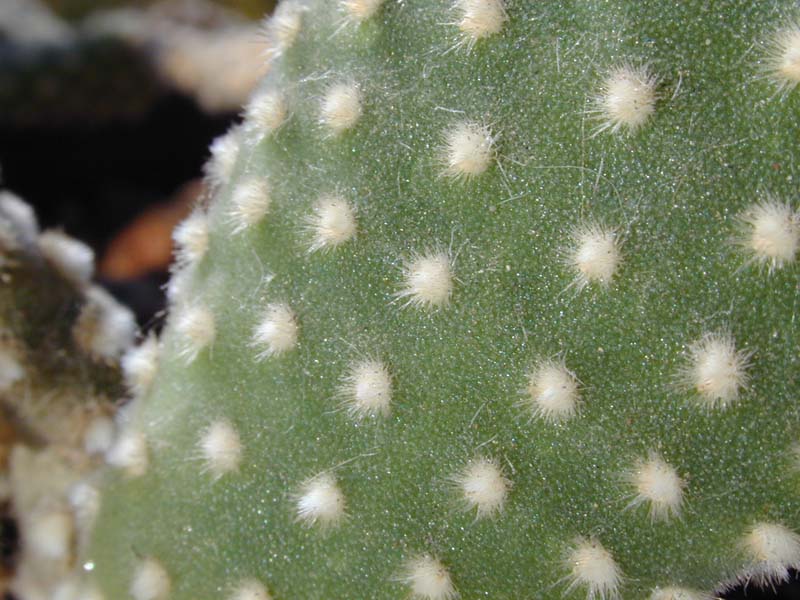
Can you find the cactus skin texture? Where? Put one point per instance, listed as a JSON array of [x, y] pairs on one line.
[[506, 307]]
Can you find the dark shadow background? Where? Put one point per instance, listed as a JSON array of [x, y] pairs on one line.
[[95, 137], [93, 180]]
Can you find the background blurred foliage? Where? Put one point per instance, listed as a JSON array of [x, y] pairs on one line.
[[77, 9]]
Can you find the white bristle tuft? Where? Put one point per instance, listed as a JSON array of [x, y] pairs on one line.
[[139, 365], [150, 581], [772, 550], [341, 107], [594, 255], [10, 241], [224, 152], [659, 486], [480, 19], [367, 390], [73, 259], [333, 223], [321, 502], [179, 285], [627, 99], [221, 448], [11, 369], [21, 216], [429, 579], [250, 203], [468, 150], [49, 534], [250, 589], [782, 61], [428, 280], [593, 568], [129, 453], [716, 371], [74, 588], [361, 10], [196, 331], [483, 486], [267, 111], [282, 28], [99, 435], [191, 238], [67, 589], [105, 329], [772, 233], [553, 392], [84, 500], [678, 593], [276, 333]]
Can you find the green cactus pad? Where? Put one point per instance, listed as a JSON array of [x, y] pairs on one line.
[[492, 299]]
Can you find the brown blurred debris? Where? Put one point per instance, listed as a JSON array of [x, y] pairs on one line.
[[196, 47], [145, 245], [118, 63]]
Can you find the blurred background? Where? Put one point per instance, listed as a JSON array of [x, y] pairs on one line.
[[107, 110]]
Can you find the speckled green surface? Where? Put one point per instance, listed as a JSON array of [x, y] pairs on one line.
[[719, 140]]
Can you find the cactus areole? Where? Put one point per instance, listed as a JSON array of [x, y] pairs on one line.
[[492, 299]]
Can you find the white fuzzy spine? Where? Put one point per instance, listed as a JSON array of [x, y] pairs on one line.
[[772, 550], [99, 435], [428, 579], [341, 107], [250, 589], [84, 500], [267, 111], [140, 364], [553, 392], [479, 19], [150, 581], [468, 151], [21, 219], [484, 487], [428, 280], [716, 370], [221, 448], [73, 588], [594, 569], [359, 11], [196, 329], [224, 153], [105, 328], [250, 203], [678, 593], [129, 453], [366, 390], [658, 486], [771, 235], [179, 285], [627, 99], [49, 534], [332, 223], [191, 239], [594, 255], [321, 502], [276, 333], [73, 259], [282, 28], [782, 61]]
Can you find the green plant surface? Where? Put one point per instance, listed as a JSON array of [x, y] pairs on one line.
[[686, 274]]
